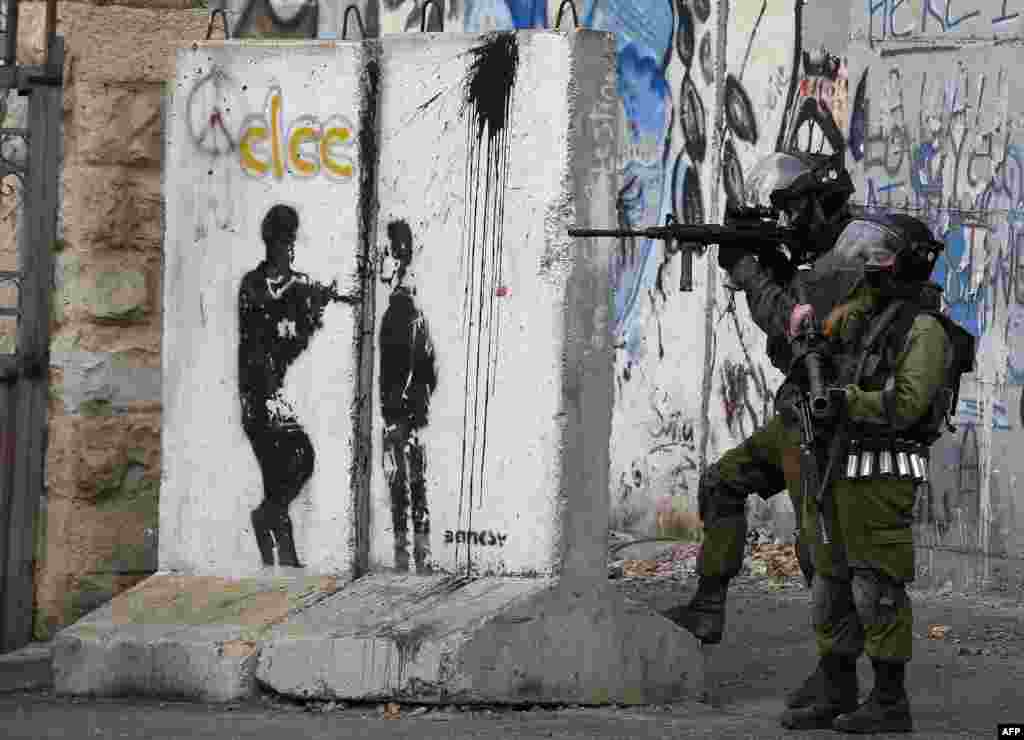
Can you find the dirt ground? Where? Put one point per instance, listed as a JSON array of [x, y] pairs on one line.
[[964, 682]]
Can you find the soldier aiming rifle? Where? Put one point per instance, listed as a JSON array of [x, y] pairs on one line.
[[794, 207]]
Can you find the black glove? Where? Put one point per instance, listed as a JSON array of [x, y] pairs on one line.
[[729, 255]]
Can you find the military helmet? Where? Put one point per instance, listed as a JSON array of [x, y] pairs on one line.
[[793, 183], [882, 249], [893, 242]]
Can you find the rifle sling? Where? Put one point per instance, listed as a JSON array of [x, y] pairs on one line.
[[883, 323]]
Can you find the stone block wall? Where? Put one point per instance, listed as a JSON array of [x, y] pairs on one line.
[[97, 532]]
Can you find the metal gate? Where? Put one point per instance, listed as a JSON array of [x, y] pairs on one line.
[[28, 155]]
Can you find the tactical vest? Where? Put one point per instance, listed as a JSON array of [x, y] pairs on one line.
[[890, 453]]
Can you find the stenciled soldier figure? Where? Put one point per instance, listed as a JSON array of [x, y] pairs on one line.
[[279, 310], [897, 362], [813, 193]]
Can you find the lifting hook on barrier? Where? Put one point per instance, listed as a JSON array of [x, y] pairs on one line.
[[213, 16], [440, 14], [353, 8], [575, 17]]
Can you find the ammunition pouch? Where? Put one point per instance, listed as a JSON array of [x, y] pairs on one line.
[[885, 458]]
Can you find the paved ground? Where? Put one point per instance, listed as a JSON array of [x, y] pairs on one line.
[[960, 686]]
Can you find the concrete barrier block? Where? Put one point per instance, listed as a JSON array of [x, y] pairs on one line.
[[428, 385], [499, 639], [492, 321], [173, 636], [265, 405], [367, 251]]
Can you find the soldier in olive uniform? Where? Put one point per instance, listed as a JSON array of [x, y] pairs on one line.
[[897, 362], [768, 461]]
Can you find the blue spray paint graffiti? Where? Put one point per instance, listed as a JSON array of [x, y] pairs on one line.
[[961, 301], [968, 411], [644, 32], [528, 13], [644, 91], [504, 15]]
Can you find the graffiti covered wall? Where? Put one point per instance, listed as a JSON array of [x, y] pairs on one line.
[[937, 130], [705, 89], [365, 278]]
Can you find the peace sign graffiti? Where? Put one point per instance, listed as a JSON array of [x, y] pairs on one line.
[[213, 104]]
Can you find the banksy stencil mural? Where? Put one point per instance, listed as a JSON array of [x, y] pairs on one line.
[[265, 222], [279, 309], [473, 217], [366, 292], [407, 380]]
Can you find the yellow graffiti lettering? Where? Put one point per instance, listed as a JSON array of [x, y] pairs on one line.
[[340, 166], [275, 134], [298, 137], [307, 147], [250, 163]]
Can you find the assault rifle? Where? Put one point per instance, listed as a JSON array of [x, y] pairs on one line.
[[815, 411], [778, 247]]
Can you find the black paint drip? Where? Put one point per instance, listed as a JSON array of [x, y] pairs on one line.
[[487, 106], [368, 142]]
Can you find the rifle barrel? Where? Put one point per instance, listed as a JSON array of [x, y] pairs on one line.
[[604, 232], [698, 233]]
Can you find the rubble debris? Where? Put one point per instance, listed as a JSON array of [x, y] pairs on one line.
[[937, 631], [775, 561], [639, 568], [678, 561]]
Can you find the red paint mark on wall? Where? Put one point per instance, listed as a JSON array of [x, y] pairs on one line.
[[502, 291]]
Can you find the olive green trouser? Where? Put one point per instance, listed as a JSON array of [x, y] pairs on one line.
[[859, 593], [767, 462]]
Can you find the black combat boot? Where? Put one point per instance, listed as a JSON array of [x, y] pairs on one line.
[[704, 616], [840, 690], [887, 708], [810, 692]]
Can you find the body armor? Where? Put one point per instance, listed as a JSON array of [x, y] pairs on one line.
[[882, 452]]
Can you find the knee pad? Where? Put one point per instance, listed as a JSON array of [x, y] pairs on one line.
[[714, 500], [877, 597], [832, 601]]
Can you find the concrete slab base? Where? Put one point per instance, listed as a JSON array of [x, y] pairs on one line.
[[193, 637], [409, 638], [500, 640]]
